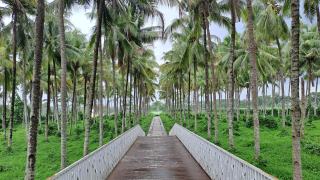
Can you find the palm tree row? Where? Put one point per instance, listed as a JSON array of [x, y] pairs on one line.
[[66, 67], [266, 53]]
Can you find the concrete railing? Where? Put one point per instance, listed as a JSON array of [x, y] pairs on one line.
[[215, 161], [100, 163]]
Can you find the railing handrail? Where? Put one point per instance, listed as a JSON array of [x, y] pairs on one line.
[[73, 165], [172, 132]]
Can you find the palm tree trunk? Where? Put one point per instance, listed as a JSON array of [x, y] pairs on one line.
[[180, 95], [123, 108], [73, 102], [85, 100], [130, 90], [93, 77], [238, 103], [189, 84], [303, 109], [248, 103], [100, 97], [174, 103], [278, 97], [40, 104], [125, 93], [173, 107], [212, 79], [76, 111], [272, 105], [200, 100], [309, 90], [140, 101], [289, 97], [282, 86], [25, 109], [33, 134], [315, 99], [253, 82], [195, 94], [231, 80], [63, 87], [95, 104], [206, 70], [56, 96], [296, 146], [4, 105], [219, 94], [48, 104], [114, 96], [134, 98], [14, 58], [107, 92], [264, 99], [183, 103]]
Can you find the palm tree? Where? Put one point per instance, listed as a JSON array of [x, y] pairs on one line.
[[272, 26], [100, 5], [296, 146], [63, 86], [309, 57], [18, 9], [253, 81], [32, 142], [6, 63]]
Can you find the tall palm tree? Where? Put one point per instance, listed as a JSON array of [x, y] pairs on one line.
[[63, 86], [100, 5], [296, 146], [272, 26], [32, 142], [253, 81]]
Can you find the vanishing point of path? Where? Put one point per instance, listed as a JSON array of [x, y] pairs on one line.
[[158, 156]]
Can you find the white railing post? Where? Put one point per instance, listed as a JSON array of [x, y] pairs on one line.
[[215, 161], [100, 163]]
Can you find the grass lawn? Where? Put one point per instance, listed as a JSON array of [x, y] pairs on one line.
[[275, 144]]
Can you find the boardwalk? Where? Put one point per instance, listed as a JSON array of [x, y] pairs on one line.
[[158, 156], [156, 128]]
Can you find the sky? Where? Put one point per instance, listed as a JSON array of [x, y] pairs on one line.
[[80, 21]]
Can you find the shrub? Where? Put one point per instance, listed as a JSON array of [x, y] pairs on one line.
[[288, 120], [270, 122], [312, 148], [261, 162], [314, 117], [79, 131], [58, 134], [249, 123], [40, 130]]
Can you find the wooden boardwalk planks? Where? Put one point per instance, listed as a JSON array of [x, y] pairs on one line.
[[158, 157]]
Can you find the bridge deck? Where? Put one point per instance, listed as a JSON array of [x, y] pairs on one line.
[[158, 157]]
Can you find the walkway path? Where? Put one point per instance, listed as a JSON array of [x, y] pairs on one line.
[[160, 157], [156, 127], [157, 156]]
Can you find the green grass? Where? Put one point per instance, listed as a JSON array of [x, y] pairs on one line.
[[276, 145], [13, 162]]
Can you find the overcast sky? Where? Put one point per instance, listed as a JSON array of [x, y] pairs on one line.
[[84, 25]]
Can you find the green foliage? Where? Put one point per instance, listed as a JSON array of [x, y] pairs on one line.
[[269, 121], [18, 110], [311, 147], [288, 120], [260, 162]]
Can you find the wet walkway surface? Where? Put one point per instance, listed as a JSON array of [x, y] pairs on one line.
[[156, 127], [158, 157]]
